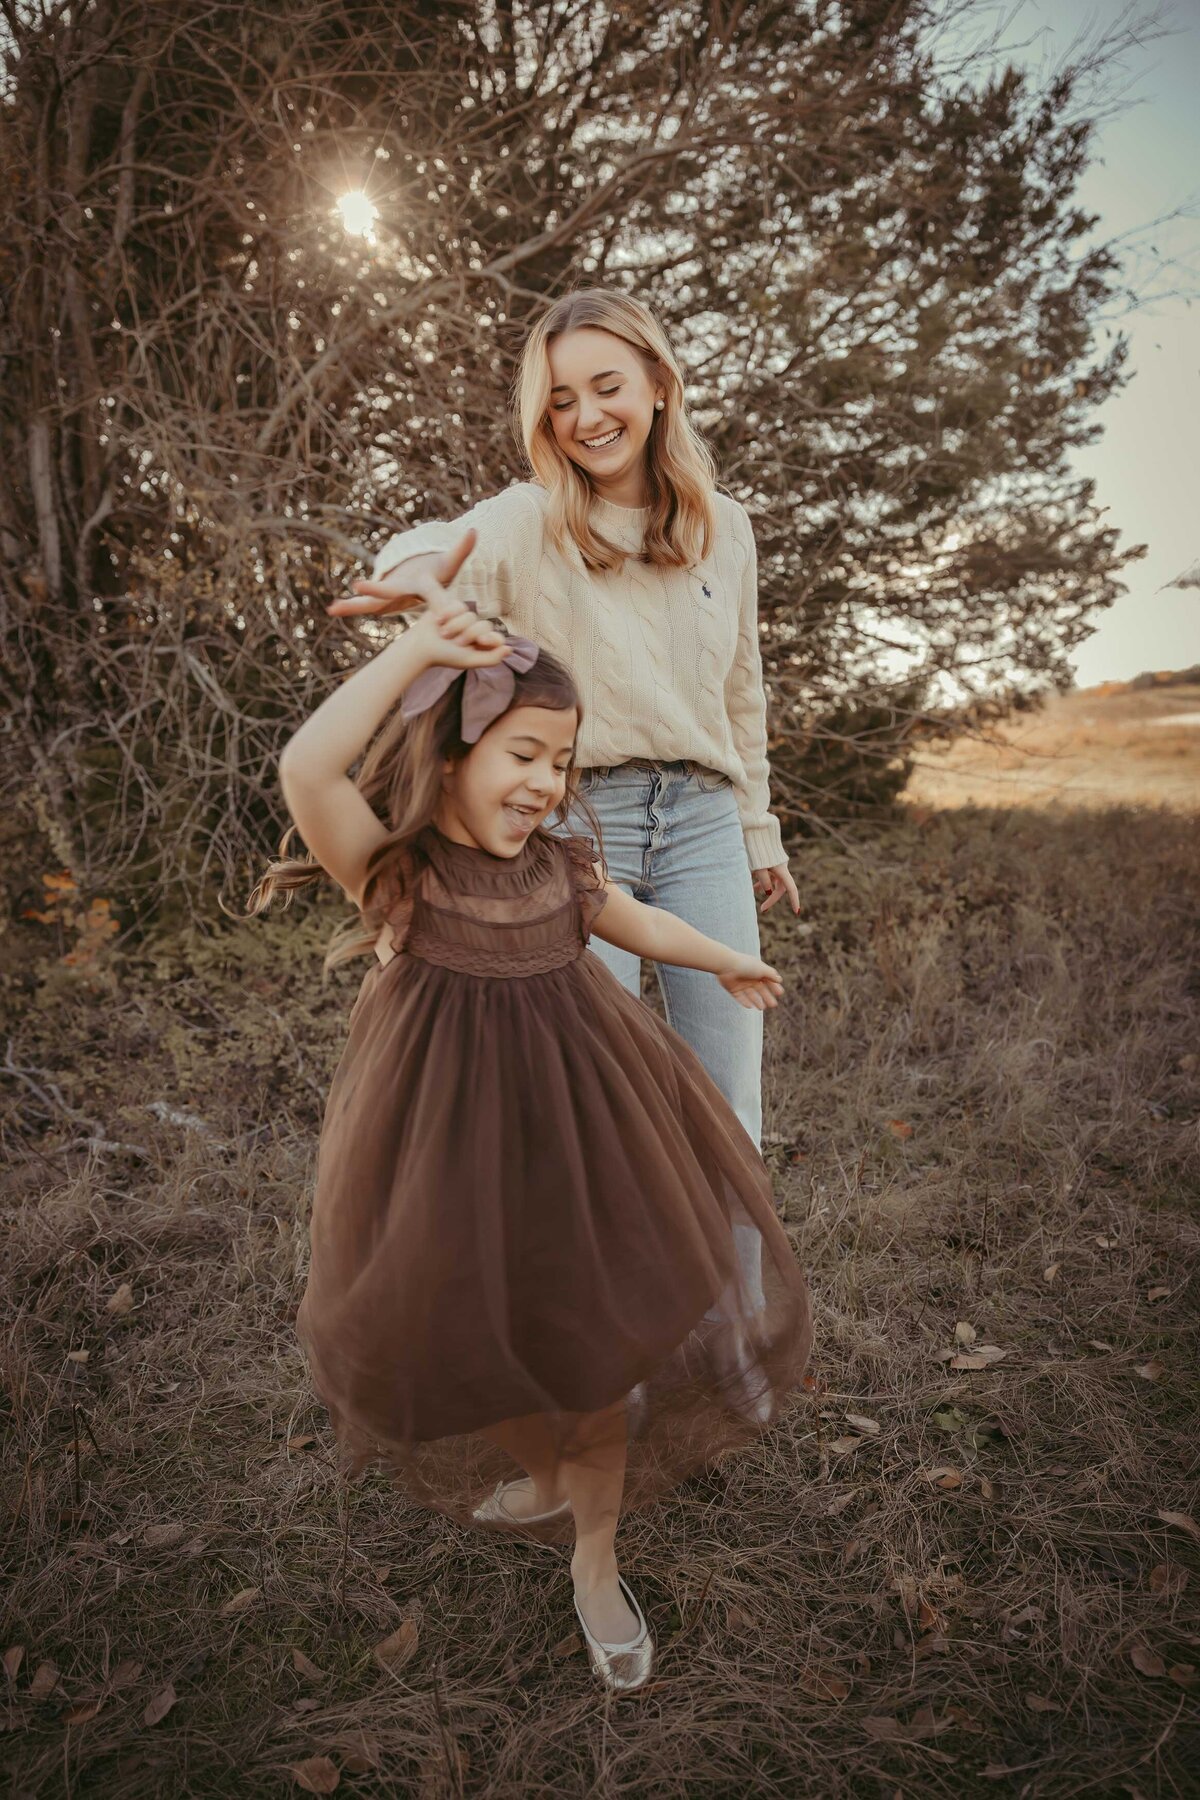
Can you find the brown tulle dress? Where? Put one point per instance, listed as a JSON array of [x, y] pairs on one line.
[[527, 1191]]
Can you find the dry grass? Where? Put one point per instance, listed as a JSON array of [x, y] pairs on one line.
[[985, 1069], [1112, 745]]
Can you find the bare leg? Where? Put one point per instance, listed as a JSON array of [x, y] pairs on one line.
[[529, 1442], [594, 1477]]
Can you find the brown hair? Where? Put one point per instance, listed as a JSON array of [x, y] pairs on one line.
[[401, 776], [680, 468]]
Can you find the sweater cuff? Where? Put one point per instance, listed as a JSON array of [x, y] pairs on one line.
[[764, 844], [418, 540]]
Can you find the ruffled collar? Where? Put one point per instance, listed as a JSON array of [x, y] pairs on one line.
[[478, 869], [474, 851]]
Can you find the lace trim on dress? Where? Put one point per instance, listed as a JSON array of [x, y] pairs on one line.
[[473, 960]]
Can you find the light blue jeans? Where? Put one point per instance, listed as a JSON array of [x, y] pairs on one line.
[[672, 838]]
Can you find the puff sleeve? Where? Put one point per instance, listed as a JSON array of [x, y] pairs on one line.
[[394, 900], [590, 892]]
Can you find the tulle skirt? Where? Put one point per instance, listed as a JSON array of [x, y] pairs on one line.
[[532, 1200]]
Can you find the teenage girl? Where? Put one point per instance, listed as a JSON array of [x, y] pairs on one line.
[[530, 1197], [623, 558]]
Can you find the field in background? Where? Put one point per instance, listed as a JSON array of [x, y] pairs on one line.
[[966, 1562], [1113, 745]]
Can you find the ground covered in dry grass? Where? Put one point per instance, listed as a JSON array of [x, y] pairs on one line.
[[968, 1560]]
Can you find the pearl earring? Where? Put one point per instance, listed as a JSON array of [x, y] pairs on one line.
[[658, 405]]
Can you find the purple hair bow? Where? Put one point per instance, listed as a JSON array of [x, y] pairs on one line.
[[487, 691]]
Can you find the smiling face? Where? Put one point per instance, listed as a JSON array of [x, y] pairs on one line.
[[510, 780], [602, 408]]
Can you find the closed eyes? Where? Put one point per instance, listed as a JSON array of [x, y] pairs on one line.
[[603, 392], [521, 758]]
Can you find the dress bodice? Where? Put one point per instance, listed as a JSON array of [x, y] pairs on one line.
[[498, 915]]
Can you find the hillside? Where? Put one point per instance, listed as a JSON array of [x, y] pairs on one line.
[[1134, 743]]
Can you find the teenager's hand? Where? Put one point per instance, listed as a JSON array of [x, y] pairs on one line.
[[419, 578], [458, 639], [751, 982], [771, 884]]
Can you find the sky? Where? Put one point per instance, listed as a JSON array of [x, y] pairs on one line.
[[1146, 465]]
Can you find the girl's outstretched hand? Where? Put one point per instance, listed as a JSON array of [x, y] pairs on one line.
[[419, 578], [458, 639], [751, 982]]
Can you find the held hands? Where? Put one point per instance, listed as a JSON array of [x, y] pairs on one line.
[[419, 578], [751, 982], [456, 639]]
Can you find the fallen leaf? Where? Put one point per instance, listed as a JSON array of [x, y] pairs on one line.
[[360, 1754], [1108, 1243], [862, 1424], [304, 1667], [983, 1358], [306, 1706], [121, 1301], [882, 1728], [1157, 1293], [964, 1333], [382, 1572], [900, 1127], [944, 1355], [316, 1775], [79, 1715], [1183, 1520], [125, 1672], [238, 1603], [1150, 1371], [1168, 1579], [945, 1478], [160, 1706], [162, 1537], [398, 1648], [1050, 1271], [986, 1488], [1099, 1344], [840, 1504], [823, 1684], [78, 1356], [12, 1660], [1040, 1704], [567, 1646], [948, 1418], [840, 1446], [1183, 1674], [303, 1442], [45, 1680], [1147, 1661]]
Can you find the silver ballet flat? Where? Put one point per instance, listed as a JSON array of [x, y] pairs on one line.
[[494, 1512], [621, 1667]]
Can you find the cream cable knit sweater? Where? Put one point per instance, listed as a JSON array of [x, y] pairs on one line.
[[667, 660]]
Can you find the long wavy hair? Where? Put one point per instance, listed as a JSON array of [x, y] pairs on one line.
[[401, 777], [680, 468]]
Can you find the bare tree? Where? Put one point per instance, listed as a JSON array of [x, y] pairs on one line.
[[216, 396]]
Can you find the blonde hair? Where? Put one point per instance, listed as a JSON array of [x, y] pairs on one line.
[[401, 776], [680, 468]]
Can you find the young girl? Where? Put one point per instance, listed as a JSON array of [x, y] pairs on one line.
[[529, 1192]]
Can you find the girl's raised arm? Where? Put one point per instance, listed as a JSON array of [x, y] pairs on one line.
[[332, 815]]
